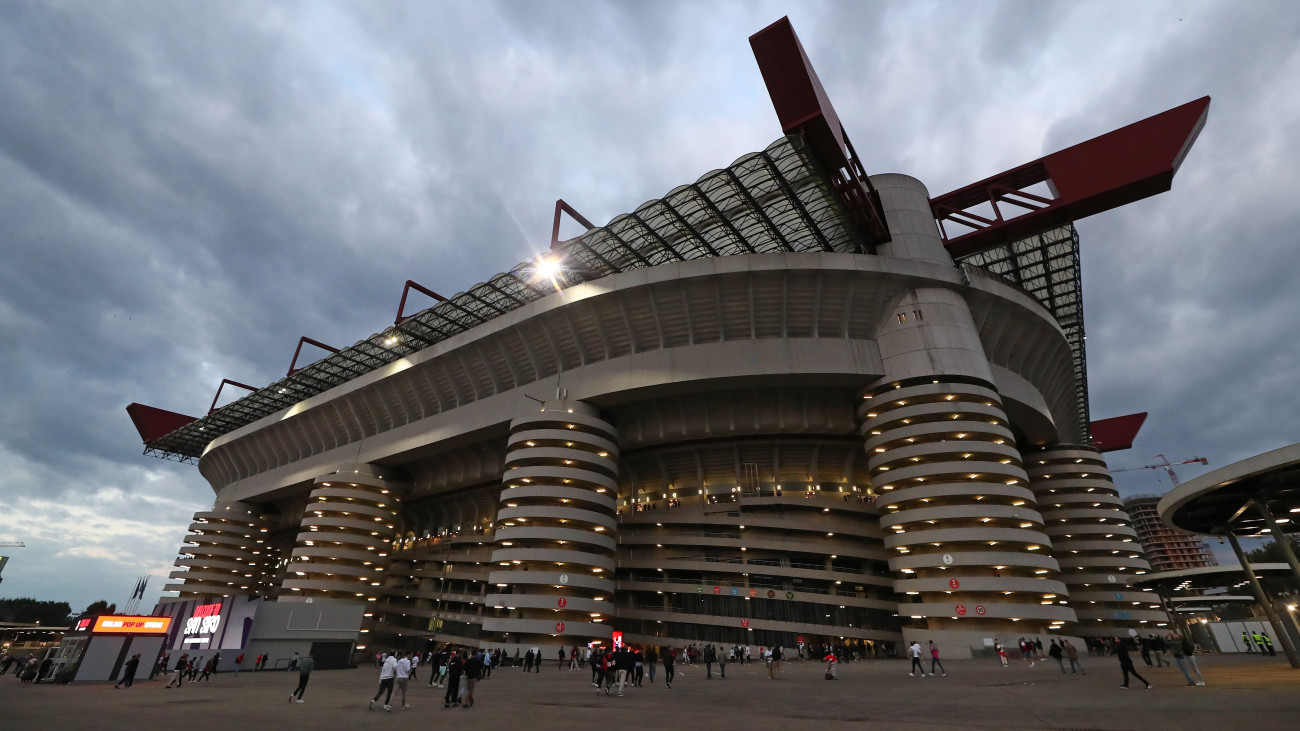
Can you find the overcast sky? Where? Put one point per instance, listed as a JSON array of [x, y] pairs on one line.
[[188, 187]]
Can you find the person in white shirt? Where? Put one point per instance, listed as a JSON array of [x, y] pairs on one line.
[[386, 675], [403, 671]]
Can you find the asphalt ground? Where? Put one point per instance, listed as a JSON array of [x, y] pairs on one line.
[[1242, 691]]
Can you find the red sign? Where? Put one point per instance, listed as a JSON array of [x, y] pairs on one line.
[[207, 610], [770, 593], [559, 627], [753, 592], [83, 624], [744, 622], [961, 610], [562, 602], [618, 639], [979, 608], [717, 590], [799, 639], [132, 625], [954, 583]]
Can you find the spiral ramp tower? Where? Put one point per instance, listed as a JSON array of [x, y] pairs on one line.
[[224, 553], [554, 543], [1093, 539], [965, 535], [346, 535]]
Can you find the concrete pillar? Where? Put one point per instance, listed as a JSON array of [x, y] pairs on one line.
[[1093, 540], [225, 553], [346, 535], [553, 555]]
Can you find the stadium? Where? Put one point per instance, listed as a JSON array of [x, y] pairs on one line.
[[790, 402]]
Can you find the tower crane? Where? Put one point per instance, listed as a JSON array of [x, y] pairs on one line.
[[1166, 465]]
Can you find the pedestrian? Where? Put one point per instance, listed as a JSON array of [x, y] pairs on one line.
[[128, 671], [436, 665], [1268, 645], [1057, 654], [305, 666], [777, 655], [1002, 653], [178, 675], [455, 669], [710, 657], [1126, 664], [207, 671], [831, 663], [1181, 659], [934, 660], [915, 649], [651, 659], [1144, 645], [722, 664], [402, 676], [293, 663], [670, 655], [1245, 640], [415, 664], [1072, 654], [473, 673], [387, 673]]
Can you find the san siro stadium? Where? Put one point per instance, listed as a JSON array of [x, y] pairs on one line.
[[789, 402]]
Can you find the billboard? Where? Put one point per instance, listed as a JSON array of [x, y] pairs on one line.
[[114, 624]]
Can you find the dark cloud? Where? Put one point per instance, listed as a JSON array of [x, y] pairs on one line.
[[187, 188]]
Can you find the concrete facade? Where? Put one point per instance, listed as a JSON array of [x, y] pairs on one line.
[[746, 449]]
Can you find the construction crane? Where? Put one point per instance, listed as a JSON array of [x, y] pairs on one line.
[[1165, 465]]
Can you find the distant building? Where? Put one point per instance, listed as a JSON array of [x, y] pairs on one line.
[[1166, 548]]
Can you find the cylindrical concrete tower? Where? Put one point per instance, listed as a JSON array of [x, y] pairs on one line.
[[1093, 540], [224, 553], [966, 540], [554, 541], [347, 532]]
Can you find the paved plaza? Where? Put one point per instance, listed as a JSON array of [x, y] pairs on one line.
[[1242, 692]]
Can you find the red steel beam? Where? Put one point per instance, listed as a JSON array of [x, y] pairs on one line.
[[1116, 433], [1113, 170], [804, 109], [224, 382], [293, 364], [401, 306], [154, 423], [562, 207]]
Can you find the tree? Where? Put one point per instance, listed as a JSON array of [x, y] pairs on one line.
[[30, 611]]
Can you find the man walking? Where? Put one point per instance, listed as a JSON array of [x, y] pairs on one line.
[[305, 666], [128, 671], [455, 668], [916, 660], [669, 656], [402, 674], [1126, 664], [1057, 654], [1072, 654], [934, 660], [722, 663], [710, 656], [387, 673], [178, 675]]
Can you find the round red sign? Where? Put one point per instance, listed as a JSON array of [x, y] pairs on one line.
[[753, 592], [562, 603], [961, 610], [744, 622], [979, 609], [954, 583], [770, 593], [717, 590], [559, 626]]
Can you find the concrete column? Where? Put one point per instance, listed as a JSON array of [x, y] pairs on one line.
[[554, 546], [346, 535], [1093, 540], [1279, 631], [1279, 536], [225, 553]]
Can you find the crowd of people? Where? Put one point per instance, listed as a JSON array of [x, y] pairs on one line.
[[28, 670]]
